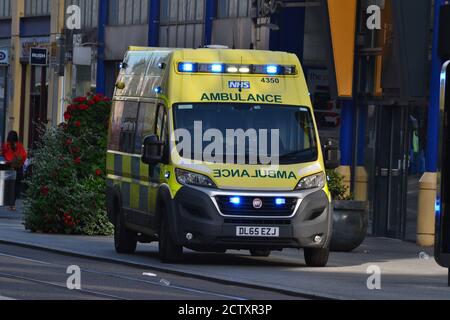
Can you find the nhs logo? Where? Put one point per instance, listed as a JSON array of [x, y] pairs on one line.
[[239, 84]]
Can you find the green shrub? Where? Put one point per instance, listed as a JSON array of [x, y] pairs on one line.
[[338, 190], [66, 192]]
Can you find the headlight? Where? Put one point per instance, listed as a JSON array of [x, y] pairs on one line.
[[195, 179], [312, 182]]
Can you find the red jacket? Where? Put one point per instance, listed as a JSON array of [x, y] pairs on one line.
[[10, 155]]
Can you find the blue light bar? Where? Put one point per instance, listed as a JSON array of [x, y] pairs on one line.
[[224, 68], [280, 201], [158, 90], [218, 68], [186, 67], [272, 69], [437, 207], [235, 200]]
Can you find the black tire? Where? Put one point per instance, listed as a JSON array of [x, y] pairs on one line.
[[169, 252], [260, 253], [124, 239], [317, 258]]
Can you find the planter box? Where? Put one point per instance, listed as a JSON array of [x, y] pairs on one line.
[[350, 224]]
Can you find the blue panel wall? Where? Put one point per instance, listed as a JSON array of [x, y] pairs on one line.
[[5, 28], [347, 132], [433, 111], [34, 26], [211, 13], [102, 21], [153, 22], [290, 37]]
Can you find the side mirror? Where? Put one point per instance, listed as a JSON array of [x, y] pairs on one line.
[[152, 150], [332, 154]]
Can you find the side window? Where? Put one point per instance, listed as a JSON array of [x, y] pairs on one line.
[[146, 124], [128, 127], [115, 125], [161, 123]]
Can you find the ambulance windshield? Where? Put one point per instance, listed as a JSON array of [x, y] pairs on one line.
[[242, 131]]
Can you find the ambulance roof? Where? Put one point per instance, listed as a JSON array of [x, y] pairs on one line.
[[226, 55]]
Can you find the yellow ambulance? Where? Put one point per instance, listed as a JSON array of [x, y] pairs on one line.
[[214, 149]]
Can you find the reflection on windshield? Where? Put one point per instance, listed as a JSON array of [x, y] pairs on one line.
[[253, 134]]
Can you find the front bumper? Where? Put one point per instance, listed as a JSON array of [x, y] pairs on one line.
[[196, 212]]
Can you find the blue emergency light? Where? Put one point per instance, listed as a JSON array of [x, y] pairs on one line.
[[271, 69], [217, 68], [280, 201], [158, 90], [235, 200], [437, 207], [186, 67]]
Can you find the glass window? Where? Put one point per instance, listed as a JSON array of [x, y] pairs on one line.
[[146, 123], [37, 7], [182, 23], [297, 135], [233, 9], [115, 125], [161, 121], [128, 12], [5, 8], [123, 126], [128, 126]]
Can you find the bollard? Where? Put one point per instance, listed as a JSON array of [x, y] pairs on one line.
[[361, 183], [426, 211]]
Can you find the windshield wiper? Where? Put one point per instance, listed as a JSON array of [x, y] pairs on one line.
[[296, 154]]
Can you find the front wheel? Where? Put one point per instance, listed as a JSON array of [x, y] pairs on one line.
[[317, 258], [169, 252]]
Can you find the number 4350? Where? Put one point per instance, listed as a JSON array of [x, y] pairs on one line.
[[270, 80]]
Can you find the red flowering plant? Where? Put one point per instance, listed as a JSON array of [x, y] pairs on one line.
[[66, 192]]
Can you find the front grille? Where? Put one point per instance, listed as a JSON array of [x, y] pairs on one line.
[[263, 222], [245, 207]]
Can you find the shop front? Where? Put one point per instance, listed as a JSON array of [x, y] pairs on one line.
[[35, 91]]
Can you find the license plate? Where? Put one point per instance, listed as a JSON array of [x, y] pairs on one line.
[[269, 232]]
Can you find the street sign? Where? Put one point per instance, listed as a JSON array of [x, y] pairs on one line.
[[4, 57], [442, 246], [38, 56]]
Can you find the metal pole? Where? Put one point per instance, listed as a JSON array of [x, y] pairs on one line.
[[102, 22], [153, 23], [211, 10]]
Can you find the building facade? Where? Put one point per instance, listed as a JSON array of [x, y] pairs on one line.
[[370, 86]]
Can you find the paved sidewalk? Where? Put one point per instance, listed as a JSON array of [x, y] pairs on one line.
[[408, 272]]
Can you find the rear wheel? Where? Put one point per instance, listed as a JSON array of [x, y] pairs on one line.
[[317, 258], [124, 239], [260, 253], [169, 252]]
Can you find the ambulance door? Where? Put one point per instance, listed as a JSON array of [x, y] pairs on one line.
[[146, 126], [156, 171]]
